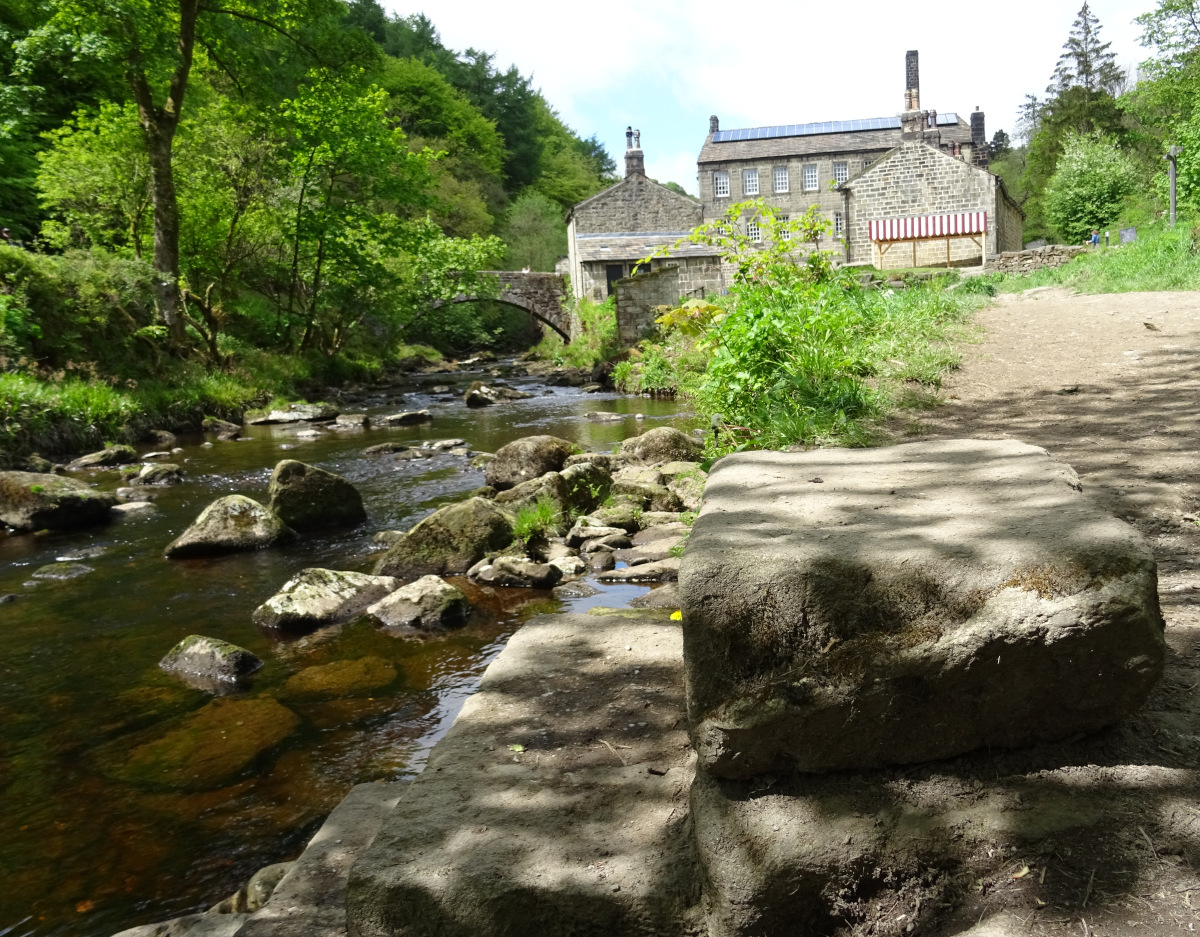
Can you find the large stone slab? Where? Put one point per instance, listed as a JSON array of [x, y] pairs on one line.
[[33, 501], [851, 608], [556, 804]]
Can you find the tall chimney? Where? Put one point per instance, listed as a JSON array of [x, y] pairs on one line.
[[635, 161], [978, 137], [713, 124], [912, 82]]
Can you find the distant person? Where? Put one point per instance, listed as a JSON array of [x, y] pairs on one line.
[[524, 269], [1095, 238], [6, 237]]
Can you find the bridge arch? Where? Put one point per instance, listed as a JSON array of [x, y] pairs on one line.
[[542, 295]]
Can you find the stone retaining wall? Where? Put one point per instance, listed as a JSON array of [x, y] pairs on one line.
[[1053, 255]]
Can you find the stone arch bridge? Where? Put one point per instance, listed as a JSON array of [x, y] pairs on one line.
[[542, 295]]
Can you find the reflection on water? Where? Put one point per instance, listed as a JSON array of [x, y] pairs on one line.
[[86, 851]]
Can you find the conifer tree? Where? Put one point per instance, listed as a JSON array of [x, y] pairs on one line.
[[1086, 62]]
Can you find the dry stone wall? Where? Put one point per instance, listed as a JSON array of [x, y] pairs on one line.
[[639, 296], [1038, 258]]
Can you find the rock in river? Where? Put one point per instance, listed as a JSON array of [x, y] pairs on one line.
[[662, 444], [520, 571], [429, 604], [209, 662], [480, 394], [34, 501], [316, 597], [105, 458], [340, 679], [527, 458], [296, 413], [407, 418], [211, 747], [230, 525], [164, 473], [306, 497], [60, 572], [449, 541], [927, 599]]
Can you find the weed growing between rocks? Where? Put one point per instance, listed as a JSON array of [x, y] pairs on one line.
[[597, 339], [538, 519]]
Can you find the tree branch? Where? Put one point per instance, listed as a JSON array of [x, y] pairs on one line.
[[250, 17]]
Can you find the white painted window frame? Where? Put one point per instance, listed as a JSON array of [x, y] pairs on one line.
[[753, 231], [720, 184], [749, 182], [841, 170], [811, 170], [779, 180]]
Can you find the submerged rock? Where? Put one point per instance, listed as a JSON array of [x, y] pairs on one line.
[[449, 541], [230, 525], [223, 428], [307, 498], [406, 418], [663, 571], [340, 679], [60, 572], [164, 473], [575, 590], [130, 509], [316, 597], [105, 458], [930, 599], [209, 663], [527, 458], [662, 444], [211, 747], [296, 413], [35, 501], [429, 604], [161, 437]]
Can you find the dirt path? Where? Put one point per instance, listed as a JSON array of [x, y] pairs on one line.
[[1111, 385]]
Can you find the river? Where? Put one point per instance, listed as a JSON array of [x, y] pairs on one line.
[[82, 853]]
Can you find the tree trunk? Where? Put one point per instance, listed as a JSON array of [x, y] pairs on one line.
[[158, 129]]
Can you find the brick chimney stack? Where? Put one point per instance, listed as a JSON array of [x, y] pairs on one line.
[[912, 81], [635, 161], [713, 124]]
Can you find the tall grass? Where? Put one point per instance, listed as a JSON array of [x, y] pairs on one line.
[[596, 339], [1161, 259]]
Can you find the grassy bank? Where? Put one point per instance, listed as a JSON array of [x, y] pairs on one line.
[[1161, 259], [786, 361]]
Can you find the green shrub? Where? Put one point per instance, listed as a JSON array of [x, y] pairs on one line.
[[540, 518], [597, 339]]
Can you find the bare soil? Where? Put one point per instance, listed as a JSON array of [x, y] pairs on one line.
[[1110, 385]]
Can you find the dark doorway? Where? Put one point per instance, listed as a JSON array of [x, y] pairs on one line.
[[613, 272]]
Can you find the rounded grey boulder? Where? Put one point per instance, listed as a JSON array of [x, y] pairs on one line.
[[662, 444], [429, 604], [208, 663], [164, 473], [527, 458], [316, 597], [105, 458], [231, 524], [306, 497], [34, 501], [449, 541]]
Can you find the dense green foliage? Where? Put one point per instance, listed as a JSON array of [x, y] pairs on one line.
[[597, 339], [1089, 185]]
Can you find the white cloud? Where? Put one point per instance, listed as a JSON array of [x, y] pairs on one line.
[[665, 67]]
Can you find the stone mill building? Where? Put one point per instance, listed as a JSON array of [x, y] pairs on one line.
[[903, 191]]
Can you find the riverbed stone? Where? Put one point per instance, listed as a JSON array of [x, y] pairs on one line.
[[662, 571], [610, 462], [621, 513], [316, 597], [352, 420], [295, 413], [571, 567], [162, 438], [405, 418], [61, 572], [134, 509], [923, 600], [662, 444], [428, 604], [449, 541], [524, 822], [480, 394], [35, 501], [520, 572], [527, 458], [339, 679], [191, 925], [549, 487], [664, 596], [162, 473], [210, 747], [588, 485], [307, 498], [210, 662], [688, 490], [584, 531], [105, 458], [223, 428], [230, 525]]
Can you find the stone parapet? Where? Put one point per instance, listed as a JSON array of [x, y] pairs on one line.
[[1038, 258]]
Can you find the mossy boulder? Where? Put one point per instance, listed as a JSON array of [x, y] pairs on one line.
[[662, 444], [550, 486], [527, 458], [163, 473], [588, 485], [450, 541], [105, 458], [340, 679], [211, 747], [231, 524], [34, 501], [209, 663], [307, 498], [429, 604], [316, 597]]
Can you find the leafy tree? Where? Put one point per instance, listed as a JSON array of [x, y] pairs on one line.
[[1000, 146], [534, 232], [1087, 62], [1173, 30], [1089, 186]]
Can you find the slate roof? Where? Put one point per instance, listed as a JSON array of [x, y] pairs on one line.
[[774, 143], [629, 245]]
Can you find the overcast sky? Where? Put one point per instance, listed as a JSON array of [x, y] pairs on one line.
[[664, 67]]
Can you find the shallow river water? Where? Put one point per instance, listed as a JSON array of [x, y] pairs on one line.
[[85, 853]]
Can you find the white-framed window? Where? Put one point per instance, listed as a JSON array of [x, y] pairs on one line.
[[782, 219], [838, 226], [781, 179], [721, 184], [841, 171], [810, 177], [753, 231], [749, 182]]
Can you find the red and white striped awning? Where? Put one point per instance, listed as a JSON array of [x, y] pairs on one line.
[[928, 226]]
